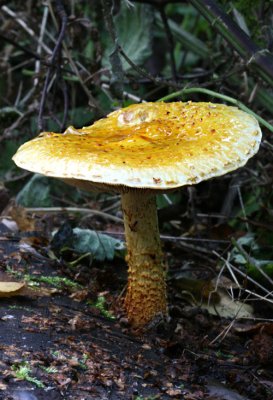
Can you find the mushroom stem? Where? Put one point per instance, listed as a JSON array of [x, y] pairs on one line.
[[146, 292]]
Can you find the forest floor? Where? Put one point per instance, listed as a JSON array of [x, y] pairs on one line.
[[58, 342]]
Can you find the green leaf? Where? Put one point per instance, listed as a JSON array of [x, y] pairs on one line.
[[164, 200], [35, 193], [254, 270], [8, 148], [239, 259], [134, 27], [248, 240], [252, 258], [189, 41], [99, 245], [41, 191]]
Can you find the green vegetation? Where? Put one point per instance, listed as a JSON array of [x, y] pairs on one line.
[[49, 370], [82, 361], [17, 307], [58, 282], [101, 304], [23, 371]]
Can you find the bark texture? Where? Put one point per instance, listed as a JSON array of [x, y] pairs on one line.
[[146, 292]]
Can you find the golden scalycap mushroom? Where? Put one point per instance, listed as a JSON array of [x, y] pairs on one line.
[[153, 145]]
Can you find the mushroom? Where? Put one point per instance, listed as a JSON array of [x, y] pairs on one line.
[[140, 151]]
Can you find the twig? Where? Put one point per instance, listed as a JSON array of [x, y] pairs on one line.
[[31, 54], [251, 260], [175, 238], [126, 94], [241, 201], [157, 2], [157, 81], [231, 268], [22, 23], [39, 48], [228, 203], [187, 40], [11, 131], [62, 14], [221, 336], [75, 210], [117, 77], [170, 40], [92, 102]]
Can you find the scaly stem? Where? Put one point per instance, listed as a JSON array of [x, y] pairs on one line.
[[146, 292]]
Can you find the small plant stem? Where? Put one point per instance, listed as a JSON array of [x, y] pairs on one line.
[[146, 292], [224, 97]]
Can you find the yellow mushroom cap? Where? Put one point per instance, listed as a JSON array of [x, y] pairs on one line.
[[151, 145]]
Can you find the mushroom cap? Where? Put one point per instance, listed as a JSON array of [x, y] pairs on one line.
[[157, 146]]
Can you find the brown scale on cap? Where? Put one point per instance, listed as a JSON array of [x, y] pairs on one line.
[[139, 151]]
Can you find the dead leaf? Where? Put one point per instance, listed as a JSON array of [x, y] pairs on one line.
[[174, 392], [228, 307], [220, 391], [215, 300], [3, 386], [199, 290], [260, 327], [9, 289], [10, 224], [24, 221], [80, 295], [7, 317]]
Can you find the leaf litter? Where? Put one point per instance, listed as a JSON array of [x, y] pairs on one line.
[[59, 341]]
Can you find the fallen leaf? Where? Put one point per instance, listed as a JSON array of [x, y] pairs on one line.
[[174, 392], [10, 224], [9, 289], [220, 391], [7, 317], [228, 307], [197, 289], [3, 386], [80, 295], [19, 215], [264, 327]]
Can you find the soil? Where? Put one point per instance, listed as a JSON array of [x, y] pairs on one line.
[[72, 351]]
